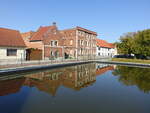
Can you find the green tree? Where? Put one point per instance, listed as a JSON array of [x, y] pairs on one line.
[[125, 46], [142, 43], [137, 43]]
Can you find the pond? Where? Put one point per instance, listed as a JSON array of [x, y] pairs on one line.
[[87, 88]]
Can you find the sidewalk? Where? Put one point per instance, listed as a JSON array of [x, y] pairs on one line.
[[30, 67], [17, 64], [124, 63], [36, 65]]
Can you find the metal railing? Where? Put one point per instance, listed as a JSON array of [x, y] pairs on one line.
[[16, 63]]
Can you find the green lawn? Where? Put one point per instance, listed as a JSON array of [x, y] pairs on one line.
[[131, 60]]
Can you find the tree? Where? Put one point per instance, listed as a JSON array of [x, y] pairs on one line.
[[142, 43], [125, 46], [137, 43]]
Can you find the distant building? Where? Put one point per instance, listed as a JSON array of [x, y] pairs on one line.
[[12, 46], [105, 49]]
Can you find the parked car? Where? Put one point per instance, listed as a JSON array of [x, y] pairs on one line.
[[124, 56]]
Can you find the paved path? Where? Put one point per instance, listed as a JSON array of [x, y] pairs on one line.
[[25, 68], [124, 63]]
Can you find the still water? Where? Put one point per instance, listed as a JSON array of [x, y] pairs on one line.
[[88, 88]]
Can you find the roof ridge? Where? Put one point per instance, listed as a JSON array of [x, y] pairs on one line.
[[9, 29]]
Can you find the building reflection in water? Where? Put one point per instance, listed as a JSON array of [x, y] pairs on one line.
[[75, 77]]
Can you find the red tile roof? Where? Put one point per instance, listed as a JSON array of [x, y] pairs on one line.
[[39, 35], [11, 38], [27, 35], [103, 70], [112, 45], [103, 43]]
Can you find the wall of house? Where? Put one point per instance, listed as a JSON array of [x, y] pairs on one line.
[[35, 45], [52, 52], [70, 42], [105, 52], [86, 44], [21, 54]]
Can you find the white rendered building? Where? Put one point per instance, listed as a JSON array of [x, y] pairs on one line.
[[105, 49], [12, 46]]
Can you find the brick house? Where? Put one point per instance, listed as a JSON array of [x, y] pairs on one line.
[[12, 46], [79, 42], [71, 43], [49, 40]]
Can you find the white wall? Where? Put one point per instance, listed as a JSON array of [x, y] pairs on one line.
[[105, 52], [21, 54]]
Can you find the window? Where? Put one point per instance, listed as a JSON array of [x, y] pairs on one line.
[[56, 43], [11, 52], [52, 43], [82, 42], [71, 42], [51, 53]]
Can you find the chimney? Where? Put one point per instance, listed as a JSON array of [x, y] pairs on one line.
[[54, 23]]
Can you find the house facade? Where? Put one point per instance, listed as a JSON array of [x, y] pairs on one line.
[[80, 42], [57, 44], [12, 46], [49, 40], [105, 49]]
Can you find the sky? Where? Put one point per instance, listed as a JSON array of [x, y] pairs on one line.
[[109, 18]]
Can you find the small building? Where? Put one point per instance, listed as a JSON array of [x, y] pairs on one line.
[[105, 49], [12, 46]]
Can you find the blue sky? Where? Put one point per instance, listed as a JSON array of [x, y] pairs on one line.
[[109, 18]]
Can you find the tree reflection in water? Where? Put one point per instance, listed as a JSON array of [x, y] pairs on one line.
[[134, 76]]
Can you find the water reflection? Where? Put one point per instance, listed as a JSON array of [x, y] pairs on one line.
[[76, 78], [134, 76], [89, 88]]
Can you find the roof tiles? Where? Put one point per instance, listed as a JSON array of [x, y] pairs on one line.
[[11, 38], [103, 43]]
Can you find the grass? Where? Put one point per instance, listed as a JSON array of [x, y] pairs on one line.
[[131, 60]]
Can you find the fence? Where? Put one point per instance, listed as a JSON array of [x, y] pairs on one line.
[[16, 63]]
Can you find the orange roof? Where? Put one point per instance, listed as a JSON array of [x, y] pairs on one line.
[[39, 35], [27, 34], [103, 43], [112, 45], [103, 70], [11, 38]]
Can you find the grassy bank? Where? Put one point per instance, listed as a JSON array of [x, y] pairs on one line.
[[131, 60]]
